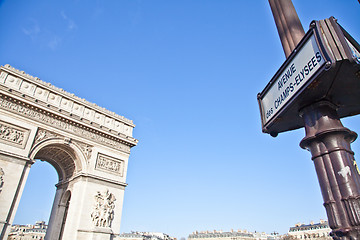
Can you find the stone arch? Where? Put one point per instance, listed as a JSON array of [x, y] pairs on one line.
[[88, 146], [66, 157], [66, 197]]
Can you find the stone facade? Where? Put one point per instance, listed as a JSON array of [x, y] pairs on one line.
[[28, 232], [312, 231], [144, 236], [88, 146], [232, 235]]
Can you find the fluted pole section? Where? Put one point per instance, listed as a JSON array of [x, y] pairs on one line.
[[288, 24], [329, 143]]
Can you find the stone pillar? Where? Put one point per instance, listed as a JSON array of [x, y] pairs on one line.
[[329, 143], [14, 172], [56, 216], [94, 211]]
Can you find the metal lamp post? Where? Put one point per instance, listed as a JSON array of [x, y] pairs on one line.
[[329, 143], [316, 102]]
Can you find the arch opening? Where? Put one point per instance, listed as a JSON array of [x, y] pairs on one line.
[[61, 157], [64, 159], [38, 195]]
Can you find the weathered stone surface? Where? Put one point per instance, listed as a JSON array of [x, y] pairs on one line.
[[88, 146]]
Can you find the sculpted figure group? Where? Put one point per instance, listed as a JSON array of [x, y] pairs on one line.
[[11, 134], [103, 212]]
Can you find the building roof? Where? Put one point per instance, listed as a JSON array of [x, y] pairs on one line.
[[321, 224], [220, 234]]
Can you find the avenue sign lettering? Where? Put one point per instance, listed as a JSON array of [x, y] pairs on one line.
[[324, 66], [291, 80]]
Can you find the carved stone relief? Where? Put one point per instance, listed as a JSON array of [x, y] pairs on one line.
[[59, 98], [13, 135], [67, 132], [44, 134], [59, 122], [103, 212], [110, 164], [86, 149], [1, 178]]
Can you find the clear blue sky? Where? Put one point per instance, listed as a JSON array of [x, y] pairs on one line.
[[187, 73]]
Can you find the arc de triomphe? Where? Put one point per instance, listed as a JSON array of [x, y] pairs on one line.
[[88, 146]]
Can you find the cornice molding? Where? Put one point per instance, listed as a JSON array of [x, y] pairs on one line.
[[46, 95], [67, 125]]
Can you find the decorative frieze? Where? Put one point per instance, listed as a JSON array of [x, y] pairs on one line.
[[103, 212], [66, 102], [110, 164], [69, 132], [64, 124], [43, 134], [13, 135], [10, 134]]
